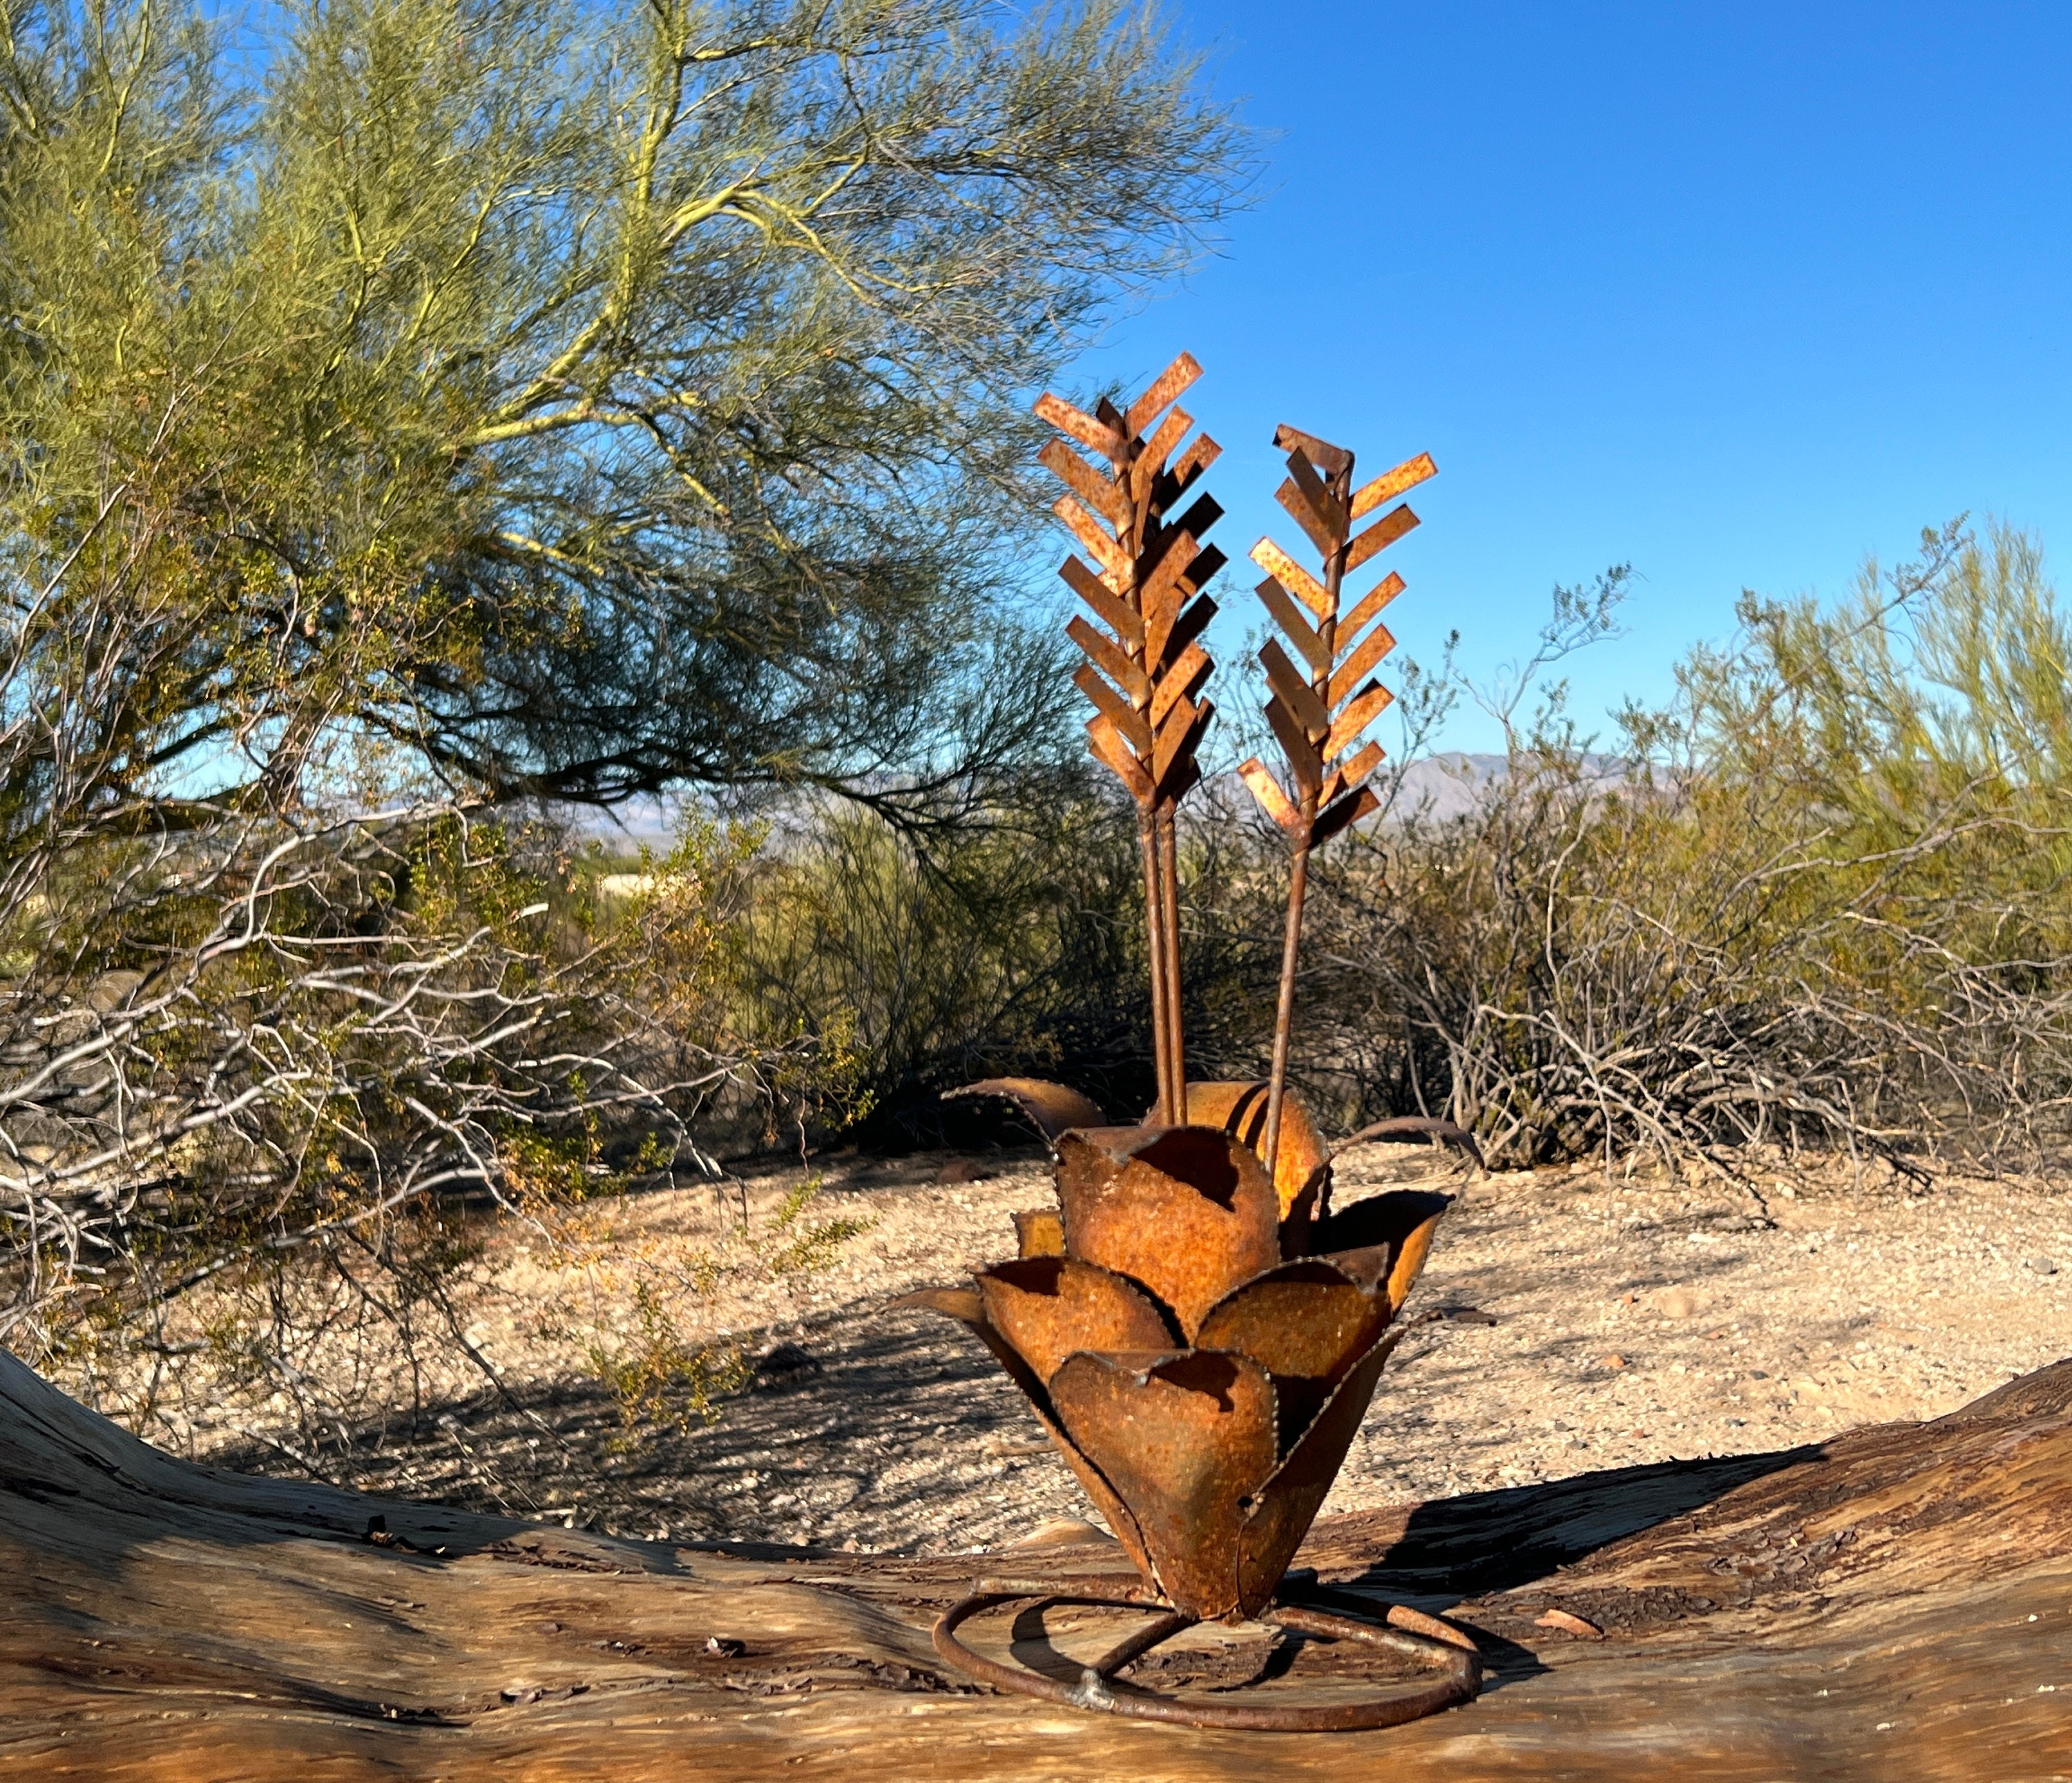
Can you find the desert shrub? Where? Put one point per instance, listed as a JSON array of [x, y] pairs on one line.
[[661, 1375], [1820, 899], [1011, 945]]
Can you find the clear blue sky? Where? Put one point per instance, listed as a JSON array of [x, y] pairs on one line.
[[1736, 294]]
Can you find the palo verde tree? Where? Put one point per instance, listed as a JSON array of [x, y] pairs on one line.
[[576, 400]]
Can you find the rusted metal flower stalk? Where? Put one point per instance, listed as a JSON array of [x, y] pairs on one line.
[[1340, 485], [1318, 718], [1143, 674]]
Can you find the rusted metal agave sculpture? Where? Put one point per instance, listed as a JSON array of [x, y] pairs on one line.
[[1196, 1328]]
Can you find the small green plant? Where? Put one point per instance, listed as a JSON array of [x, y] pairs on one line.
[[811, 1246], [660, 1375], [660, 1379]]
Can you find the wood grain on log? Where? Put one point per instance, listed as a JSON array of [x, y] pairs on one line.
[[1895, 1603]]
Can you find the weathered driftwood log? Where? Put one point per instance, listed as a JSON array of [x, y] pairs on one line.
[[1896, 1603]]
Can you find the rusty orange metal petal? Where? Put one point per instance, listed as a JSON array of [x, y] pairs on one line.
[[1354, 716], [1267, 791], [1120, 617], [1305, 767], [1281, 1510], [1305, 1323], [1299, 631], [1367, 1266], [1099, 434], [1346, 813], [1039, 1232], [1239, 1109], [1369, 652], [1127, 720], [1187, 1439], [1186, 1212], [964, 1306], [1315, 524], [1379, 536], [1108, 657], [1099, 492], [1183, 679], [1296, 694], [1295, 579], [1404, 1220], [1330, 459], [1181, 654], [1351, 772], [1391, 483], [1049, 1307], [1165, 388], [1329, 512], [1370, 603], [1151, 459]]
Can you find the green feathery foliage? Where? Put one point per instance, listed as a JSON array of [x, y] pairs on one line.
[[549, 398]]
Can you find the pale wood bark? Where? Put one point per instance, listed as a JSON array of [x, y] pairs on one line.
[[1763, 1615]]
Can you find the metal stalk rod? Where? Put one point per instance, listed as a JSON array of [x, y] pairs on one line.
[[1154, 929], [1168, 866], [1283, 1012]]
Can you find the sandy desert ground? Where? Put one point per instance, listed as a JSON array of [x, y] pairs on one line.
[[1568, 1321]]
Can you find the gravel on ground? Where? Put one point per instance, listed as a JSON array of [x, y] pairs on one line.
[[1569, 1321]]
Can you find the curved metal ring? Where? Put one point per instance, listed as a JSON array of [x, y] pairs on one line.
[[1448, 1650]]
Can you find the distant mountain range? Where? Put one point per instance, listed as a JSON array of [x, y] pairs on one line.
[[1444, 785], [1447, 784]]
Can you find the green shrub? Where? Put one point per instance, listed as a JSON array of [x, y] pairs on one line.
[[1822, 898]]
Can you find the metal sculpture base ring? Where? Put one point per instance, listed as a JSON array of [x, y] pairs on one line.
[[1406, 1633]]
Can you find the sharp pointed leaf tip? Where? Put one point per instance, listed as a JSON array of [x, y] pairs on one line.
[[1053, 1108], [1401, 1129]]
